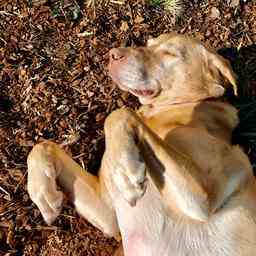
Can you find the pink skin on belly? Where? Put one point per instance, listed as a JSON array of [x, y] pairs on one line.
[[134, 243]]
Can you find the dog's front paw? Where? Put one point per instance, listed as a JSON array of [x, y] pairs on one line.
[[42, 187], [129, 175]]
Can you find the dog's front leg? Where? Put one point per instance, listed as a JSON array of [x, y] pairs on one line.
[[49, 165], [130, 144], [123, 158]]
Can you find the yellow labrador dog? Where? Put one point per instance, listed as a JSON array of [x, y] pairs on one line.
[[171, 183]]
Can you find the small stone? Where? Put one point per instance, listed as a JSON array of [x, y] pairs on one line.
[[208, 33], [124, 26], [9, 7], [86, 68], [90, 94], [234, 3], [65, 102], [215, 13], [25, 198]]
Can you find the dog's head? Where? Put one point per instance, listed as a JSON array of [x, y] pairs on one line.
[[171, 69]]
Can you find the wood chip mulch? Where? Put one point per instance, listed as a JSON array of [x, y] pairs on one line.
[[54, 85]]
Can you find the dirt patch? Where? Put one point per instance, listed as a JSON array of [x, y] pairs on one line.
[[54, 85]]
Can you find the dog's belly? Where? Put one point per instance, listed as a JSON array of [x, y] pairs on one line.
[[143, 227], [148, 231]]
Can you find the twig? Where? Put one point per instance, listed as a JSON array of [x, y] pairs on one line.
[[68, 216], [11, 14], [45, 228], [20, 182], [78, 156], [6, 13], [3, 41], [117, 2], [6, 192]]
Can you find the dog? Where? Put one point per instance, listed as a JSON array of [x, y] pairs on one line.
[[170, 182]]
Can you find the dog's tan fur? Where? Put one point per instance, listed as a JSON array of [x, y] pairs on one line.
[[171, 182]]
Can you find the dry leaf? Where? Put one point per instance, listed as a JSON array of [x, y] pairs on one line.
[[124, 26], [139, 19]]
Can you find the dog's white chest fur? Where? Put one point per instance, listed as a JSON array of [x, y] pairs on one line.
[[148, 231]]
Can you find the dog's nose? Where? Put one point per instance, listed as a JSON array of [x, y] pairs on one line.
[[116, 54]]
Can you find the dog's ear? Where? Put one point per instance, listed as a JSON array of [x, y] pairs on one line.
[[222, 66]]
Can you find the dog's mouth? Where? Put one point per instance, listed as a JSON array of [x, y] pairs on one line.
[[148, 93], [138, 88], [144, 93]]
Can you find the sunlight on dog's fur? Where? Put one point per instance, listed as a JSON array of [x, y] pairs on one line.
[[170, 182]]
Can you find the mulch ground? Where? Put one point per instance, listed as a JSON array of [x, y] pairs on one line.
[[54, 85]]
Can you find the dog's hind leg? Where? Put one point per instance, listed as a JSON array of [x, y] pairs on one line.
[[49, 167]]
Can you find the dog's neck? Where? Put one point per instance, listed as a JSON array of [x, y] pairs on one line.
[[202, 113], [150, 110]]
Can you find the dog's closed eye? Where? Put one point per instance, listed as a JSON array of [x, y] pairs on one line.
[[168, 54]]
